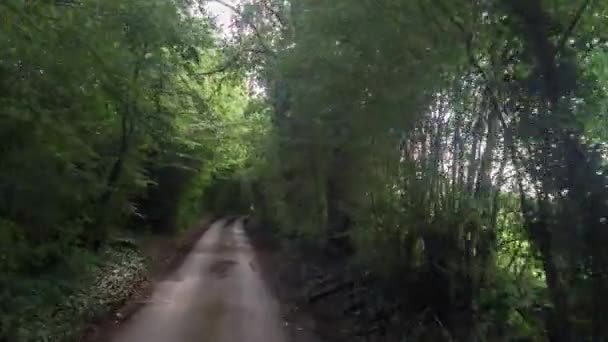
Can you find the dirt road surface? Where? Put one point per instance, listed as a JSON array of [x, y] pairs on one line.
[[217, 295]]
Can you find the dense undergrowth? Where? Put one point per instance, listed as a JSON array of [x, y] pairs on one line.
[[58, 305]]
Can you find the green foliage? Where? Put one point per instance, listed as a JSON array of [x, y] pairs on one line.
[[455, 150], [446, 147], [57, 305], [113, 114]]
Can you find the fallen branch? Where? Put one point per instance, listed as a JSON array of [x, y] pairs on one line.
[[331, 290]]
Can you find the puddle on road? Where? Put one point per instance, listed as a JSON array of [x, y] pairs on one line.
[[220, 268], [252, 265]]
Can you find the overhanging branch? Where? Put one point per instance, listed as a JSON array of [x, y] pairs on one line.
[[570, 29], [272, 11], [251, 25]]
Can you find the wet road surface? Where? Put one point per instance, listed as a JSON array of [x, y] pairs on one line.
[[217, 295]]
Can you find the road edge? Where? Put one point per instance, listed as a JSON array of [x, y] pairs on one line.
[[101, 328]]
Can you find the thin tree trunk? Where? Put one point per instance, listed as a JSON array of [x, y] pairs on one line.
[[473, 161], [456, 153], [484, 180], [500, 180]]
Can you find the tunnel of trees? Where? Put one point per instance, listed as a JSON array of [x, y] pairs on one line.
[[454, 150]]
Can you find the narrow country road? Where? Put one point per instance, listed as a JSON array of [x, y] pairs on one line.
[[217, 295]]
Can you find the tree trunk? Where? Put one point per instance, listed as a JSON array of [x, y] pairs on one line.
[[484, 180], [456, 153], [535, 25], [338, 220], [473, 161]]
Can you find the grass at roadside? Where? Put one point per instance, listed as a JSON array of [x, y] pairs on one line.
[[89, 290], [56, 305]]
